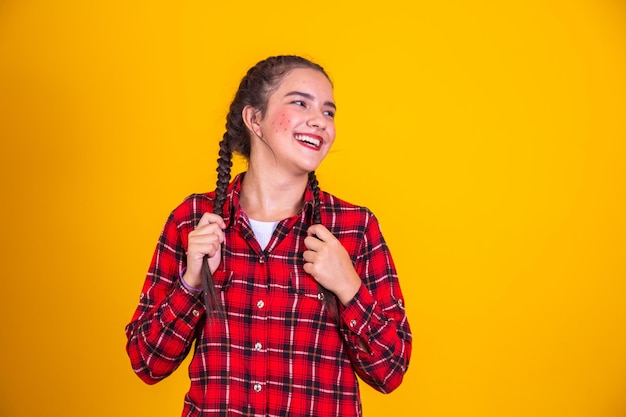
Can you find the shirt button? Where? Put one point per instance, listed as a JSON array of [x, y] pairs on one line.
[[258, 346], [352, 323], [400, 303], [261, 260], [320, 296], [257, 387], [260, 304], [195, 313]]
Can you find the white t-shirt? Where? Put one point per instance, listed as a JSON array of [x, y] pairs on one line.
[[263, 231]]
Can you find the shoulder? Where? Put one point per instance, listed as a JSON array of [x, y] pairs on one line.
[[332, 202], [335, 207], [191, 209]]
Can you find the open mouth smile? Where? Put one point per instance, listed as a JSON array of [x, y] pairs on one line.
[[314, 142]]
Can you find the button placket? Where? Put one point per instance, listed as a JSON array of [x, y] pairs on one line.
[[258, 331]]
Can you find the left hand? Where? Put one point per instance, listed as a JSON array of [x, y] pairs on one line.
[[329, 263]]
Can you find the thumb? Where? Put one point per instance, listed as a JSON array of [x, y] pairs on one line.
[[319, 231], [204, 220], [209, 218]]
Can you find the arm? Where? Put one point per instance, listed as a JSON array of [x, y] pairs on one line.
[[164, 324], [378, 340], [374, 323]]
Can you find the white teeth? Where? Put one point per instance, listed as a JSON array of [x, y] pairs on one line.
[[309, 140]]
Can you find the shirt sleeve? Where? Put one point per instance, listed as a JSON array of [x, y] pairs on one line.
[[163, 327], [374, 324]]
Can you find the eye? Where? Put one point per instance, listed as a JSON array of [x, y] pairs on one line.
[[330, 114], [300, 103]]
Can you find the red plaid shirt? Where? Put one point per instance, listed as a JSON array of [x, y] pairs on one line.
[[279, 352]]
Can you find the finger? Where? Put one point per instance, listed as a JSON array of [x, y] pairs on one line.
[[200, 240], [207, 234], [210, 218], [313, 243], [198, 251], [213, 248], [204, 220], [320, 231], [309, 256], [210, 224], [205, 239]]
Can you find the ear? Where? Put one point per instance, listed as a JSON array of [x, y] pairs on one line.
[[252, 117]]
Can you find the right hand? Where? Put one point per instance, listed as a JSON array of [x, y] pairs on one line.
[[205, 239]]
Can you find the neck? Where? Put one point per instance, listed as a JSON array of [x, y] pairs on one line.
[[271, 198]]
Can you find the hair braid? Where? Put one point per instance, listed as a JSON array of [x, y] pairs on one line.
[[212, 302], [330, 300], [224, 164]]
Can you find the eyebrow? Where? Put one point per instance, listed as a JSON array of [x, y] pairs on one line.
[[309, 97]]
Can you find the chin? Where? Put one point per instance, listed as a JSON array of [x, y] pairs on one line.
[[310, 167]]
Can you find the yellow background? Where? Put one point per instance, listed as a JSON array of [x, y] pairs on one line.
[[489, 137]]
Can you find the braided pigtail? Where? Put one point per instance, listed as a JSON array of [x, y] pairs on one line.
[[236, 138], [330, 300], [212, 302]]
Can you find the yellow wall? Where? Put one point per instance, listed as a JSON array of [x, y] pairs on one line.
[[488, 136]]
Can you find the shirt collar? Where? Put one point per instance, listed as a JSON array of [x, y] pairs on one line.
[[232, 209]]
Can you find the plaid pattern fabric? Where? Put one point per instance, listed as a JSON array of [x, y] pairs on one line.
[[278, 352]]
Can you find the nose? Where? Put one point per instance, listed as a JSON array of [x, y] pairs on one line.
[[317, 120]]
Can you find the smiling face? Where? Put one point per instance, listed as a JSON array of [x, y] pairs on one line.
[[297, 128]]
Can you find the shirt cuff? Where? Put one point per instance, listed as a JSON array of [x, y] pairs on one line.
[[356, 315], [188, 287], [182, 305]]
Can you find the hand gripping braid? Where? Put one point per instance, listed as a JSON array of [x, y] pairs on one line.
[[212, 302], [329, 298]]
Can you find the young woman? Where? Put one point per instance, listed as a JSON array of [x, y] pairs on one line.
[[288, 292]]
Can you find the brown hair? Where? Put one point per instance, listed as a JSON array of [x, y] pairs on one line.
[[254, 90]]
